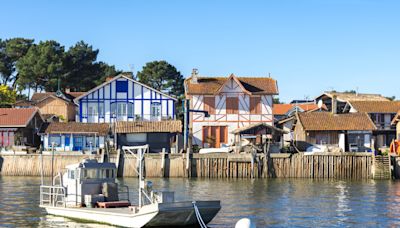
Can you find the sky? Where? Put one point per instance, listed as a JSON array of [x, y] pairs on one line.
[[308, 46]]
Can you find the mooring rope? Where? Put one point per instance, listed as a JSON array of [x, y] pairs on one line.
[[198, 215]]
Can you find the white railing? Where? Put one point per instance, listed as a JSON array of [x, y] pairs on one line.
[[52, 196]]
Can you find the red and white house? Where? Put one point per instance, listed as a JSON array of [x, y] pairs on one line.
[[232, 102]]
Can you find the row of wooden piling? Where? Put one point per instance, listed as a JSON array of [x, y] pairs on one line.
[[322, 166]]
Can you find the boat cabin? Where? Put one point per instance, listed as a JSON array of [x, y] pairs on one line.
[[90, 182]]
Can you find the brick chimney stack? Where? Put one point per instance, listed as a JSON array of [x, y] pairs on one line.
[[195, 74], [334, 104]]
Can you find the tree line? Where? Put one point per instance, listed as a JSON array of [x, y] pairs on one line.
[[26, 65]]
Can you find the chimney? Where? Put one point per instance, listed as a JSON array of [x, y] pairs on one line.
[[195, 74], [67, 90], [109, 78], [334, 104]]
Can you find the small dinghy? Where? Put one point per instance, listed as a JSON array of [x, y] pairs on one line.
[[89, 191]]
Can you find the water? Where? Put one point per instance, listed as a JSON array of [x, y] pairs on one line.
[[268, 202]]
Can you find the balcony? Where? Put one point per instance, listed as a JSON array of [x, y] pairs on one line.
[[112, 118], [382, 126]]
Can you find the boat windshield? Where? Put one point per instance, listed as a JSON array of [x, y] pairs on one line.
[[98, 173], [89, 174]]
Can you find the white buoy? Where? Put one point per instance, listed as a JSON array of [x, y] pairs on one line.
[[245, 223]]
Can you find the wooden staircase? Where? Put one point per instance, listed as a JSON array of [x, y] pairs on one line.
[[382, 167]]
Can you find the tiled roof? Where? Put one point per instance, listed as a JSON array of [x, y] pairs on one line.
[[355, 96], [38, 97], [376, 106], [282, 109], [23, 103], [210, 85], [77, 128], [326, 121], [16, 117], [171, 126]]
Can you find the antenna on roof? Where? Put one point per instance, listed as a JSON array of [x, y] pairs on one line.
[[132, 68], [58, 92]]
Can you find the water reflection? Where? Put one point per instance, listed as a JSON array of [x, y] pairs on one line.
[[272, 203]]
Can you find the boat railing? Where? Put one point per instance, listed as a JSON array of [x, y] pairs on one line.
[[123, 192], [52, 196]]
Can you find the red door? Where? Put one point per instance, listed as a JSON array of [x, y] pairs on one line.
[[214, 136]]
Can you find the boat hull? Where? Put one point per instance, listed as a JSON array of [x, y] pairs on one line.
[[155, 215], [183, 214]]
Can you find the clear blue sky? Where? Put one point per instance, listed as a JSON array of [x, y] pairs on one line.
[[308, 46]]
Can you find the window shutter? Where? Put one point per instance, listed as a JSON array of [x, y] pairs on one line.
[[232, 105], [209, 105], [255, 105]]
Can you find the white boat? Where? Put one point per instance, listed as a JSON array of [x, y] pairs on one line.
[[88, 191]]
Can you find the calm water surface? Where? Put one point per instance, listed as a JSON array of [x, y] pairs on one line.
[[270, 203]]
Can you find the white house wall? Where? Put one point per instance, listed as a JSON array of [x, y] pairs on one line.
[[138, 95], [232, 121]]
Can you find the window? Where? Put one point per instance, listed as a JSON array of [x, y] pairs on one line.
[[71, 174], [136, 138], [90, 173], [121, 109], [232, 105], [209, 105], [113, 109], [130, 109], [56, 139], [84, 109], [91, 141], [92, 109], [101, 109], [255, 105], [122, 86], [155, 109]]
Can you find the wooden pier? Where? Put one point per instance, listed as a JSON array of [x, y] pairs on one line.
[[317, 166]]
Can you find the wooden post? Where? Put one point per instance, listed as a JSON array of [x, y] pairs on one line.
[[188, 162], [162, 162]]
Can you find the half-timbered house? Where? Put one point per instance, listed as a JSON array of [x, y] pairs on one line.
[[232, 102], [124, 99]]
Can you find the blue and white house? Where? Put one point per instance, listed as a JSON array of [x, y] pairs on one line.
[[124, 99]]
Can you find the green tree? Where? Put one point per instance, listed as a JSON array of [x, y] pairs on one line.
[[11, 51], [164, 77], [41, 67], [7, 96], [102, 71], [82, 72], [79, 67], [277, 101]]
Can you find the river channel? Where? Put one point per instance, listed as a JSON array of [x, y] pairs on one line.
[[268, 202]]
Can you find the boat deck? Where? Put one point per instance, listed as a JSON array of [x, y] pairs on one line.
[[119, 210]]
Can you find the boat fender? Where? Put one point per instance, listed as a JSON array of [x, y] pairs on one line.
[[245, 223]]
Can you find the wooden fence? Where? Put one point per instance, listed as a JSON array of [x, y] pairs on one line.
[[30, 164], [324, 165]]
